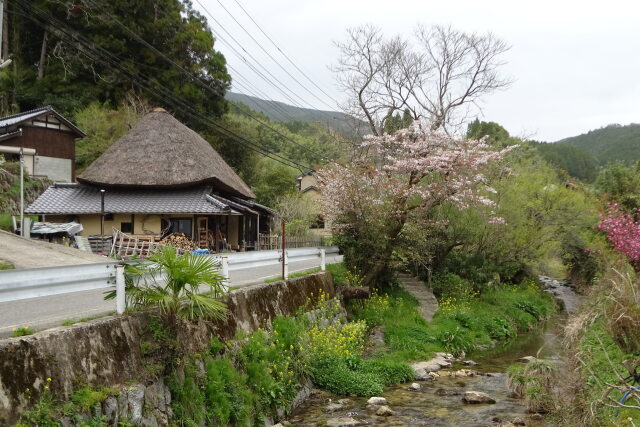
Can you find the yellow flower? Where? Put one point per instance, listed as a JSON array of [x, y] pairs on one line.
[[48, 379]]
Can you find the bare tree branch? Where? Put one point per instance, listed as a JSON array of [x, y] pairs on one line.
[[441, 79]]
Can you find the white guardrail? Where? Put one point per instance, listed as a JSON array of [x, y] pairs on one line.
[[40, 282]]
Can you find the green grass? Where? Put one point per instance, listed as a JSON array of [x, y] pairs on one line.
[[339, 273], [6, 266], [459, 326], [602, 357], [294, 275], [20, 332], [70, 322], [5, 222]]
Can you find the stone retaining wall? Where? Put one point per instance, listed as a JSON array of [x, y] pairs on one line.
[[107, 352]]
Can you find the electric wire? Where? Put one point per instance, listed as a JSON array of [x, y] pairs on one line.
[[98, 54], [202, 84], [270, 56], [284, 54]]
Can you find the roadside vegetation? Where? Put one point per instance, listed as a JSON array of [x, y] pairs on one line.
[[462, 325]]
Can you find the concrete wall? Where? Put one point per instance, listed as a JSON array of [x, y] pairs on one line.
[[56, 169], [143, 224], [147, 224], [107, 352]]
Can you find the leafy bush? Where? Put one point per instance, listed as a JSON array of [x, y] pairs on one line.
[[335, 374], [534, 383], [500, 329]]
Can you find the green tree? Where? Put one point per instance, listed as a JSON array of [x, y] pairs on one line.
[[619, 183], [496, 134], [49, 70], [174, 283]]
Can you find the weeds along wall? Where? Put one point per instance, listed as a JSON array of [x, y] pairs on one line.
[[107, 352]]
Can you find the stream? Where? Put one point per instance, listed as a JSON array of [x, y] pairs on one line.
[[439, 402]]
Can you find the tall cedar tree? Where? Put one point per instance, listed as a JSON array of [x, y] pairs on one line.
[[47, 70]]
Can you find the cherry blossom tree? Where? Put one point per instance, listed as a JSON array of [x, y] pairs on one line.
[[623, 232], [399, 176]]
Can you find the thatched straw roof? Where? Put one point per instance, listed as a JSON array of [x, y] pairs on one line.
[[159, 151]]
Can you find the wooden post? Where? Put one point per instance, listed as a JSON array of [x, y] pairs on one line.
[[258, 232], [101, 213]]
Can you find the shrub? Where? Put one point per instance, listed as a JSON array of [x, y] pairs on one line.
[[335, 374], [22, 331], [534, 383]]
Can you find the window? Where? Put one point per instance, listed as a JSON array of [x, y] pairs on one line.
[[182, 225], [126, 227]]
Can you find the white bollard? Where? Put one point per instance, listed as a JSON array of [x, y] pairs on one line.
[[286, 266], [120, 290], [225, 272], [323, 260]]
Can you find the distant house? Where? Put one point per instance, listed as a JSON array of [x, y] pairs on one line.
[[161, 177], [47, 139], [308, 186]]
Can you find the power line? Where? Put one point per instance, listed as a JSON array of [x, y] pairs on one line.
[[201, 83], [270, 56], [284, 54], [250, 56], [98, 54]]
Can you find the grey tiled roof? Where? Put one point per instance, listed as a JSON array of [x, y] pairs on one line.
[[31, 114], [253, 205], [80, 199]]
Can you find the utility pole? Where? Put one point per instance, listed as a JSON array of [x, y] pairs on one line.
[[22, 192]]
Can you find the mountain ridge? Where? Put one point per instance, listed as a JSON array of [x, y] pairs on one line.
[[281, 112]]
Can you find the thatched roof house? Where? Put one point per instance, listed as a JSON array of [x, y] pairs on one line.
[[160, 177], [159, 151]]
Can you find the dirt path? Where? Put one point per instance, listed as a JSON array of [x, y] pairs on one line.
[[28, 253], [428, 301]]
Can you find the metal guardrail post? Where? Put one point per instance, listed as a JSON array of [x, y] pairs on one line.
[[285, 276], [225, 272], [120, 290], [323, 260]]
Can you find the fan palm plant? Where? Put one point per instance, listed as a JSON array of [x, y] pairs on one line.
[[185, 286]]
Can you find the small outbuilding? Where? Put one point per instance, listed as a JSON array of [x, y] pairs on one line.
[[47, 140], [160, 178]]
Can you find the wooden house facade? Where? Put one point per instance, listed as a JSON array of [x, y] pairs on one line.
[[47, 139], [160, 178]]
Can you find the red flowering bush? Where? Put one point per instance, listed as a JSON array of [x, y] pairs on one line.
[[623, 233]]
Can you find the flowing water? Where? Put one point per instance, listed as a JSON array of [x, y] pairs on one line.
[[439, 402]]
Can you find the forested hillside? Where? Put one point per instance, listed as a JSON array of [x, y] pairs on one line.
[[105, 64], [575, 161], [610, 143], [281, 112]]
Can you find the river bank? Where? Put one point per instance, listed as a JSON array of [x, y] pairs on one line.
[[439, 401]]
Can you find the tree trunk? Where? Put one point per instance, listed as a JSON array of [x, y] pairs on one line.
[[43, 55], [358, 292], [5, 30], [383, 261]]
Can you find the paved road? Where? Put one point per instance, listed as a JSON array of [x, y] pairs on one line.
[[46, 312], [30, 253]]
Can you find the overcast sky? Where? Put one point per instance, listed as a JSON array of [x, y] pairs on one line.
[[575, 64]]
